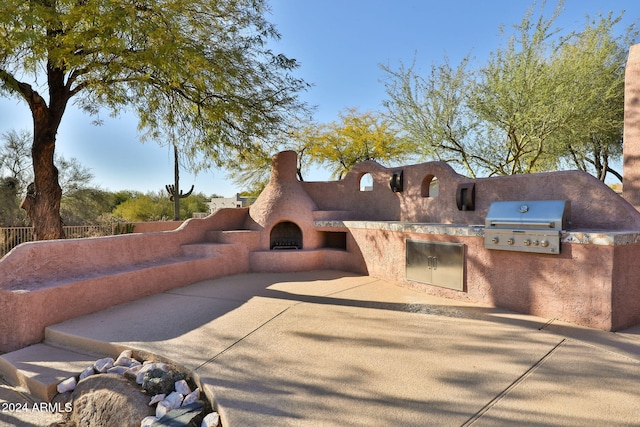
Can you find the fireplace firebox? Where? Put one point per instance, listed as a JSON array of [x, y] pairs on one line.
[[286, 235]]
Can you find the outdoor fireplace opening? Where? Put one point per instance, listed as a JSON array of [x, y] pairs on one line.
[[286, 235]]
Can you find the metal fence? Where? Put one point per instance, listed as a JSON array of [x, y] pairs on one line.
[[12, 236]]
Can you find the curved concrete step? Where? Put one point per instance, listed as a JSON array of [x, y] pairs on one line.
[[39, 368]]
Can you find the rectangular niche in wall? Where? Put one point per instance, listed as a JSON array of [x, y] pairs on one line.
[[436, 263], [335, 240]]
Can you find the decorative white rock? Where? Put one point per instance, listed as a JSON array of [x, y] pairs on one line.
[[102, 365], [132, 372], [164, 366], [174, 399], [191, 397], [67, 385], [120, 370], [211, 420], [123, 361], [157, 398], [182, 387], [126, 353], [148, 421], [145, 367], [87, 372], [162, 408]]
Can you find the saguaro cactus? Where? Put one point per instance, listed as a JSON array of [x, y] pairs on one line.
[[174, 190]]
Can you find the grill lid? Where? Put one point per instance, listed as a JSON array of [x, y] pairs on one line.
[[538, 214]]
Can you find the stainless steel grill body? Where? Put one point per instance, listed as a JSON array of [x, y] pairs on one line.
[[526, 226]]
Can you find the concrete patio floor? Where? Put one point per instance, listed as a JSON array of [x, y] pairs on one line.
[[329, 348]]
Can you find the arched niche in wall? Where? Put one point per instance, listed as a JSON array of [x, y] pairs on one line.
[[366, 182], [430, 186]]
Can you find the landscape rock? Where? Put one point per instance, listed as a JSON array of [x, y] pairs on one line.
[[62, 401], [115, 398], [102, 365], [124, 361], [148, 421], [191, 397], [133, 371], [143, 370], [158, 381], [162, 408], [108, 400], [186, 416], [67, 385], [87, 373], [164, 366], [211, 420], [118, 370], [182, 387], [175, 399], [126, 353], [157, 398]]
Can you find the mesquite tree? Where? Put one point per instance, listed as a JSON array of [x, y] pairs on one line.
[[200, 69]]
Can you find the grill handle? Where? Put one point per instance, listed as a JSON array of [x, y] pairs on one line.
[[511, 224]]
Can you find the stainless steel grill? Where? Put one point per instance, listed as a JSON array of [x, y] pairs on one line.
[[526, 226]]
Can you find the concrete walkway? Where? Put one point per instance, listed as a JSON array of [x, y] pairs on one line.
[[335, 349]]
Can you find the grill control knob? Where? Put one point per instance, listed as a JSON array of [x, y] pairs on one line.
[[544, 243], [510, 242], [495, 240], [536, 242], [527, 242]]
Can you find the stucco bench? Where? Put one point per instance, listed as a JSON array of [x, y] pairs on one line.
[[28, 308]]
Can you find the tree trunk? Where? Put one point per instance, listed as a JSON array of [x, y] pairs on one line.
[[42, 202]]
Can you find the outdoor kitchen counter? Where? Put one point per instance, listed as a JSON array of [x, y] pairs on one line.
[[583, 237]]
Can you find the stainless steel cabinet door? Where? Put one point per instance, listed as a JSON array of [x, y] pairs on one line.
[[435, 263]]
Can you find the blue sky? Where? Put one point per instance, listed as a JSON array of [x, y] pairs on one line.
[[340, 44]]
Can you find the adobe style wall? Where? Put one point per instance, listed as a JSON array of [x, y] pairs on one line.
[[593, 204], [592, 282], [43, 283]]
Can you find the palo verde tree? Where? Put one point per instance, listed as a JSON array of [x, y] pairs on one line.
[[592, 134], [200, 69], [356, 137], [339, 146], [546, 100]]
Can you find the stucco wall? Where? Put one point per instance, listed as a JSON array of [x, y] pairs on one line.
[[593, 204], [625, 286], [575, 286], [151, 227], [42, 283], [631, 147]]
